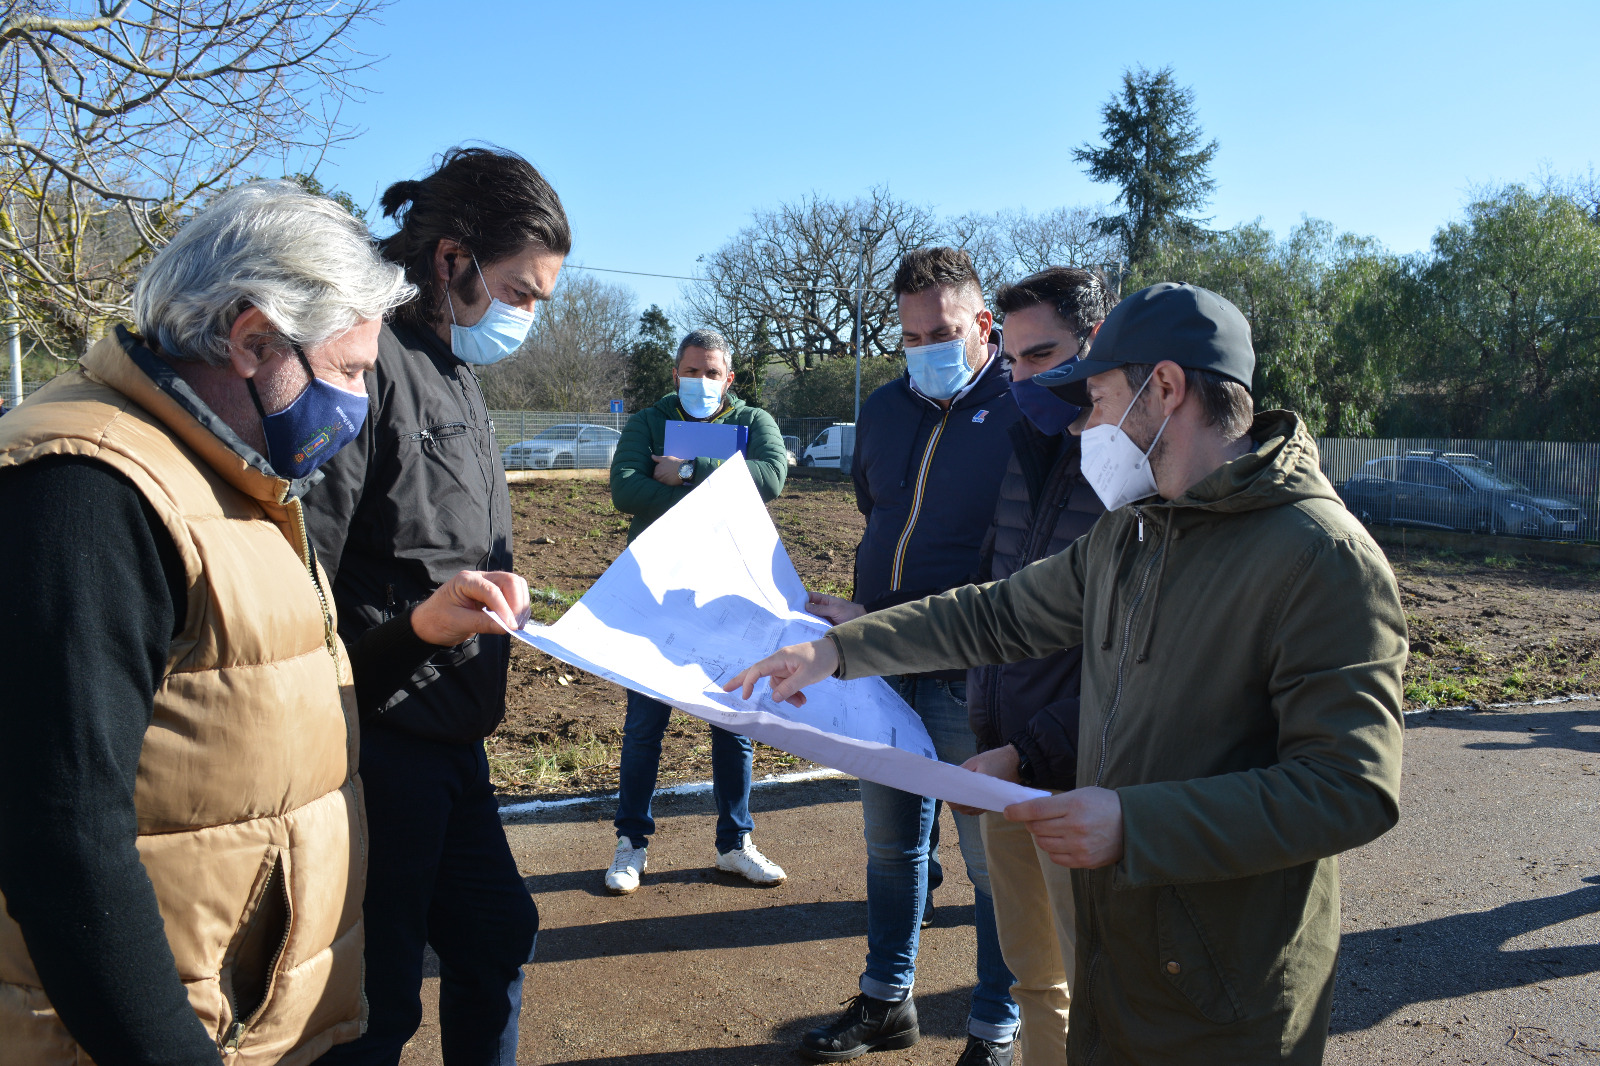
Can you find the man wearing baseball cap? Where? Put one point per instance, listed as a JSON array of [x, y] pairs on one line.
[[1240, 717]]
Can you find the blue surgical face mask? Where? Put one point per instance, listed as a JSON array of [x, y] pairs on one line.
[[500, 331], [1049, 413], [700, 397], [939, 371], [307, 433]]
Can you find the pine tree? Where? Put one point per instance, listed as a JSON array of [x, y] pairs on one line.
[[650, 360], [1153, 150]]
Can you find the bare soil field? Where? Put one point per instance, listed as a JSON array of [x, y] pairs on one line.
[[1484, 629]]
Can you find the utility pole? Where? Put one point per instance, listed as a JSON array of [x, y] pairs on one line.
[[861, 265], [14, 343]]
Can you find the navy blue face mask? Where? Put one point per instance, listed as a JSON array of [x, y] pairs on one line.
[[307, 433], [1049, 413]]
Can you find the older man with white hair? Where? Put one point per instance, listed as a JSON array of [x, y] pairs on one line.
[[181, 849]]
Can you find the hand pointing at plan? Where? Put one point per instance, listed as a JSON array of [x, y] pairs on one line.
[[791, 669]]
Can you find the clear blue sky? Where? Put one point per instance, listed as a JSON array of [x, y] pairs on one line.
[[663, 126]]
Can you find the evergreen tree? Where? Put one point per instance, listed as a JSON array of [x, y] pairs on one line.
[[650, 360], [1153, 151]]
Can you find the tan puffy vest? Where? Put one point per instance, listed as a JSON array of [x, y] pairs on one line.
[[250, 816]]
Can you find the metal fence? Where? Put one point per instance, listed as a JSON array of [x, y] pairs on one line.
[[1545, 489], [556, 440]]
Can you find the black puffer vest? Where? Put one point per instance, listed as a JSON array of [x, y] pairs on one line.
[[1045, 505]]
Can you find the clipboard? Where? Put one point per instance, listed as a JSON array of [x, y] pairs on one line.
[[709, 440]]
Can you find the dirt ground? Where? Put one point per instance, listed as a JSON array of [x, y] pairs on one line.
[[1484, 629], [1471, 930]]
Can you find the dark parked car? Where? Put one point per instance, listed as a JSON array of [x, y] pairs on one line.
[[1456, 490]]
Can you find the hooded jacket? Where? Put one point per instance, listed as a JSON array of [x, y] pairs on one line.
[[1045, 504], [1243, 648], [249, 819], [636, 492]]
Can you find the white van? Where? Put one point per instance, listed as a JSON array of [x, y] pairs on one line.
[[832, 447]]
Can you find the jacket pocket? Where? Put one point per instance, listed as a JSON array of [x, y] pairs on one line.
[[1188, 959], [251, 965]]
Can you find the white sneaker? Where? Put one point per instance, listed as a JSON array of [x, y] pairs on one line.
[[627, 866], [751, 865]]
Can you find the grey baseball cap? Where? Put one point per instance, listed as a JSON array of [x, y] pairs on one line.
[[1186, 324]]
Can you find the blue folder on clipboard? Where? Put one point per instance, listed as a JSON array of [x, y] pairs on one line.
[[712, 440]]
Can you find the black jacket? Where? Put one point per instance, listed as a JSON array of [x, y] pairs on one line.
[[418, 496], [1045, 505], [927, 481]]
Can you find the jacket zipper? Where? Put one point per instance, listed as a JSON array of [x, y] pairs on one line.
[[1122, 659], [916, 503], [240, 1026], [306, 556]]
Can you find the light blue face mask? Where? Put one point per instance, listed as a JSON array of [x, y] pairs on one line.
[[500, 331], [939, 371], [700, 397]]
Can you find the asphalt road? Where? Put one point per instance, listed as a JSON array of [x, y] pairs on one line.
[[1471, 931]]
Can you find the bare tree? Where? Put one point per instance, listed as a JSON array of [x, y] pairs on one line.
[[575, 358], [786, 283], [118, 119]]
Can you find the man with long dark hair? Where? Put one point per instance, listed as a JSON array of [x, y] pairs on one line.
[[421, 491]]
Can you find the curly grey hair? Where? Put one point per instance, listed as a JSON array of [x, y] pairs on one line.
[[301, 260]]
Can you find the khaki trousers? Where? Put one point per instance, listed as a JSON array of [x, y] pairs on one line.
[[1038, 935]]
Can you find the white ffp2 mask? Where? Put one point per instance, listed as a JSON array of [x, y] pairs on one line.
[[1116, 468]]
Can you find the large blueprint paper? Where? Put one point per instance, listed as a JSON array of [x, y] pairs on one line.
[[707, 590]]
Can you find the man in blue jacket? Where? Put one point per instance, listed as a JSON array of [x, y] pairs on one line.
[[931, 452]]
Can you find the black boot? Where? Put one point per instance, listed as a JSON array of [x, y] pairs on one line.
[[986, 1053], [866, 1025]]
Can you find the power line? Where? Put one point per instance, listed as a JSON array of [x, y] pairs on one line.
[[685, 277]]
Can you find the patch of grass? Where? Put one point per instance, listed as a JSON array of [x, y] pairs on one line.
[[1446, 691], [1502, 562], [1513, 683], [832, 588], [542, 764], [549, 604]]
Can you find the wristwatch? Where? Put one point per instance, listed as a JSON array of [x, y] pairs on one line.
[[686, 470], [1025, 768]]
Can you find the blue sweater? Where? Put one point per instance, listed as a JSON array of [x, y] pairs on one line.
[[927, 480]]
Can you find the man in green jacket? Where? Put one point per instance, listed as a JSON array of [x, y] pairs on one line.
[[1241, 707], [645, 482]]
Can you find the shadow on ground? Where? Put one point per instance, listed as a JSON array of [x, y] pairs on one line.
[[1557, 730], [944, 1014], [1384, 970]]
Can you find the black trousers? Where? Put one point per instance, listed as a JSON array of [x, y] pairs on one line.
[[439, 872]]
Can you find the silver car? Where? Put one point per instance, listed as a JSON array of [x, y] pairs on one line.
[[564, 447]]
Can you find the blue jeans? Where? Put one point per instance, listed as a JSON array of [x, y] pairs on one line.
[[439, 872], [897, 828], [731, 756]]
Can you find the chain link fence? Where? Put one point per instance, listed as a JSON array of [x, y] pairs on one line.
[[1545, 489]]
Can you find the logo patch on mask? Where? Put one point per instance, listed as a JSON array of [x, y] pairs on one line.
[[314, 445], [981, 415]]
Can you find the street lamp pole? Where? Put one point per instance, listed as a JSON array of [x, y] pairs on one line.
[[861, 266]]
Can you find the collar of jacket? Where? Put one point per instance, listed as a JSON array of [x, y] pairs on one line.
[[412, 335], [123, 362], [1285, 467], [987, 373]]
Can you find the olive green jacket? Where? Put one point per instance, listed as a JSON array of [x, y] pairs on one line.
[[1243, 646], [636, 492]]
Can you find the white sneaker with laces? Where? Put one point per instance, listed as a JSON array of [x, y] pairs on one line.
[[627, 866], [751, 865]]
